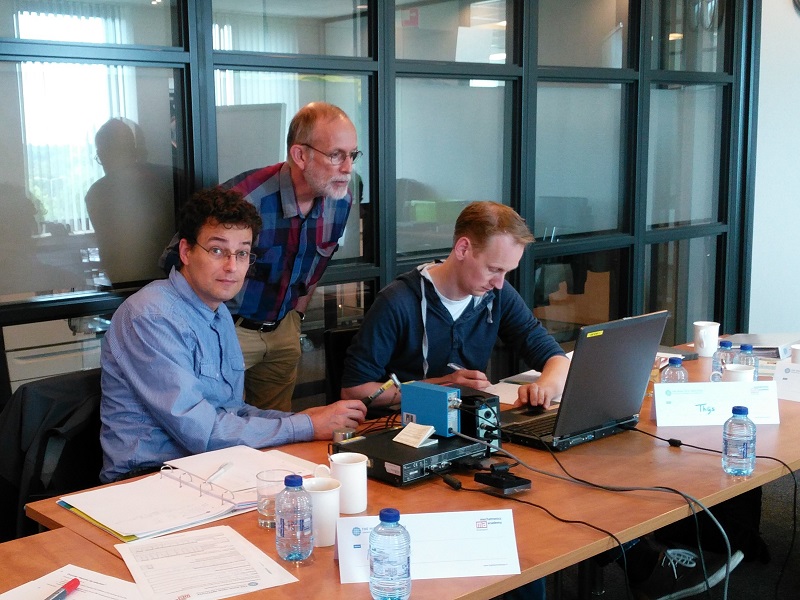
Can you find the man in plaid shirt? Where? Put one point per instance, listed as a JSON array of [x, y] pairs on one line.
[[304, 203]]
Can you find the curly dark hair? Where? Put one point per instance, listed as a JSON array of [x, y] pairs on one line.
[[217, 205]]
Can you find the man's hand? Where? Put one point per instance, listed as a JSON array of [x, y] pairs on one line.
[[476, 380], [344, 413], [548, 387]]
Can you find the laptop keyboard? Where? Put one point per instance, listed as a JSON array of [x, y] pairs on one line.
[[535, 427]]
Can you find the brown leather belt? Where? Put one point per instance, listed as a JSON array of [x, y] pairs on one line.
[[262, 326]]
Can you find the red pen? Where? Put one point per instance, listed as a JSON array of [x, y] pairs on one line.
[[65, 589]]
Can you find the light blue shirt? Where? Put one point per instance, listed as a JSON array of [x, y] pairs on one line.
[[173, 383]]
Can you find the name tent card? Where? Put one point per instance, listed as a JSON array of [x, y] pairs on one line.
[[787, 378], [687, 404]]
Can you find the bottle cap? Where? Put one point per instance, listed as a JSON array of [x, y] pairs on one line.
[[293, 480], [746, 347], [739, 410], [726, 344], [389, 515], [675, 361]]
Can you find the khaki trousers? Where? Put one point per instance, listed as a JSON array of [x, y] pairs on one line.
[[271, 360]]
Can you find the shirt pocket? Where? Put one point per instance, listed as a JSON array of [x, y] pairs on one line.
[[209, 370]]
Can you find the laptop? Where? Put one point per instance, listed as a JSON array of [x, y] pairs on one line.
[[604, 389]]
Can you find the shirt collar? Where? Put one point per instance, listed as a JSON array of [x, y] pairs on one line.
[[186, 292], [289, 200]]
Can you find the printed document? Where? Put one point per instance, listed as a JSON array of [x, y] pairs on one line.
[[93, 586], [212, 563]]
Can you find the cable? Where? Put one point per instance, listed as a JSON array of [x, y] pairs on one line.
[[691, 502], [491, 492], [678, 443]]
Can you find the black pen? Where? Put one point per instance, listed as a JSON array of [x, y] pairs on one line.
[[65, 589]]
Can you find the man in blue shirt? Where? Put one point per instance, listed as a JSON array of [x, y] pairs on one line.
[[172, 368], [304, 204]]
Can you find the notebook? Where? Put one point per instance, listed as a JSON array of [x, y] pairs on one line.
[[604, 389]]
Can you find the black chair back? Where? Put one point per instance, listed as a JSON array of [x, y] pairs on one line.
[[51, 436]]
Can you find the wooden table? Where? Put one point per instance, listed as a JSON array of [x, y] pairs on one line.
[[545, 545], [31, 557]]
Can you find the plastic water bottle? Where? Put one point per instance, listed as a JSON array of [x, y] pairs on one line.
[[389, 558], [674, 371], [723, 356], [293, 538], [739, 443], [746, 357]]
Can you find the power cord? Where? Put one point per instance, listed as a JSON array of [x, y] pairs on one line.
[[691, 503], [676, 443]]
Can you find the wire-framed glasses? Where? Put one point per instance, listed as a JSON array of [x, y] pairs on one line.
[[222, 254], [339, 156]]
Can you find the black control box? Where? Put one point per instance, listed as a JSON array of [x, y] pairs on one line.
[[480, 416]]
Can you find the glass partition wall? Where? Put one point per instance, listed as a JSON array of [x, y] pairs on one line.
[[618, 129]]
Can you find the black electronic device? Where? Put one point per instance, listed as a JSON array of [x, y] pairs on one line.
[[400, 464], [480, 415]]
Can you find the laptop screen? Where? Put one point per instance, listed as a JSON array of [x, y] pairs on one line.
[[608, 376]]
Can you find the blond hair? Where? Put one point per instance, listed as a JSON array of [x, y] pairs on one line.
[[480, 221]]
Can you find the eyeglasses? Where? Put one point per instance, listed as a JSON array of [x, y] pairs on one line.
[[339, 156], [221, 254]]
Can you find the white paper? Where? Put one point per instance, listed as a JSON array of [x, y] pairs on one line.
[[507, 390], [211, 563], [93, 586], [682, 404], [247, 463], [415, 435], [451, 544], [787, 378], [150, 506]]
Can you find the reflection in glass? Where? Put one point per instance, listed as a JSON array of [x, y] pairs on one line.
[[680, 277], [453, 30], [576, 290], [149, 23], [689, 35], [577, 160], [583, 33], [332, 306], [51, 171], [254, 109], [684, 155], [330, 28], [450, 148]]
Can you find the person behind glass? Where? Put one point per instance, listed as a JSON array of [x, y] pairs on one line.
[[172, 369], [131, 206], [304, 203], [440, 321]]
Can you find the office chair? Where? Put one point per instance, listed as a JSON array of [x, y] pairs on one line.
[[51, 433], [337, 341]]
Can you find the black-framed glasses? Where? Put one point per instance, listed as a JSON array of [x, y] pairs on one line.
[[222, 254], [339, 156]]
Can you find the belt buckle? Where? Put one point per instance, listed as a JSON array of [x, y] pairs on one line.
[[268, 326]]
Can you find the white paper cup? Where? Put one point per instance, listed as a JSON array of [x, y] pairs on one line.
[[324, 493], [738, 372], [350, 469], [268, 484], [796, 353], [706, 338]]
